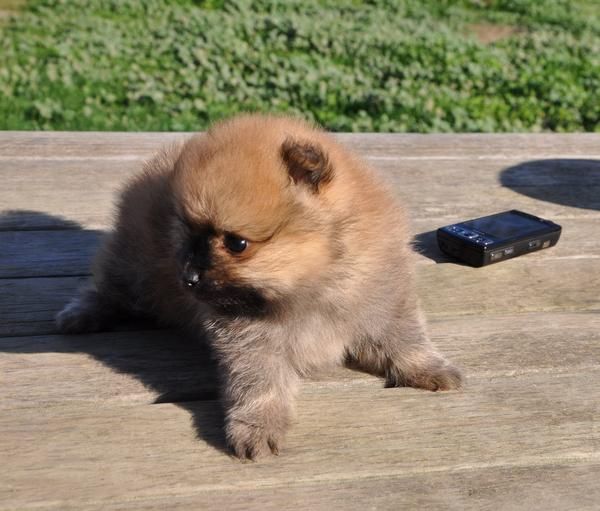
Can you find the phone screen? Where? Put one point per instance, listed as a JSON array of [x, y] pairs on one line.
[[504, 225]]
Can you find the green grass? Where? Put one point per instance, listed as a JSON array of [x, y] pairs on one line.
[[378, 65]]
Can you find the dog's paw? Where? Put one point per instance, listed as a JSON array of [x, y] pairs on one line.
[[435, 375], [250, 441], [438, 377], [78, 317]]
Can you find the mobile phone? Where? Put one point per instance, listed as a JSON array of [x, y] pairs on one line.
[[494, 238]]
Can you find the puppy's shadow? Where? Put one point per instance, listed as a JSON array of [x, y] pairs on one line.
[[174, 365]]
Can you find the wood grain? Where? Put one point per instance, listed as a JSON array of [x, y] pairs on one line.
[[517, 285], [549, 487]]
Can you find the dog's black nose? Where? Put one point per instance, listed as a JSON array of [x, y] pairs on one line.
[[190, 276]]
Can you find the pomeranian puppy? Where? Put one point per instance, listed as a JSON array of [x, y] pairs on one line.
[[282, 247]]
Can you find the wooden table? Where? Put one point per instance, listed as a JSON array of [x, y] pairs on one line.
[[129, 419]]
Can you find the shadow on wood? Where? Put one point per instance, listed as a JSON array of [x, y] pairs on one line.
[[425, 243], [569, 182], [159, 358], [22, 219]]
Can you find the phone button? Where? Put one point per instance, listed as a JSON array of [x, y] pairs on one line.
[[534, 244], [494, 256]]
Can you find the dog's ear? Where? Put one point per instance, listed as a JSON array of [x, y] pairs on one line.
[[306, 163]]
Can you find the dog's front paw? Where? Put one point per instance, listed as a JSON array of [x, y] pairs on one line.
[[437, 377], [78, 317], [446, 377], [435, 374], [249, 441]]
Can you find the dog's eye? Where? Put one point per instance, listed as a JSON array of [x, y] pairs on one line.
[[235, 243]]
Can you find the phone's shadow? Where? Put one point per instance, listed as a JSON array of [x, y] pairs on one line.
[[425, 244]]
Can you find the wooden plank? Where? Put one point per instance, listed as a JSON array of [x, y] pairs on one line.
[[496, 345], [47, 193], [529, 283], [50, 194], [76, 144], [446, 190], [70, 252], [552, 487], [63, 455], [29, 145], [518, 285], [145, 367]]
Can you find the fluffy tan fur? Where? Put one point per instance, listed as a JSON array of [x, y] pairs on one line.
[[324, 275]]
